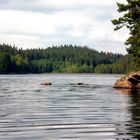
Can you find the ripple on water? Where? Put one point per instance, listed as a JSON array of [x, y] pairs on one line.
[[65, 111]]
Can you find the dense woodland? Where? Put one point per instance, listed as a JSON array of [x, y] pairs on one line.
[[66, 59]]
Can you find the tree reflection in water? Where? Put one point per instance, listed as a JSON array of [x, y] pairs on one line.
[[134, 125]]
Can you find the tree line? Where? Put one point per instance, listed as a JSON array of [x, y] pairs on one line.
[[66, 59]]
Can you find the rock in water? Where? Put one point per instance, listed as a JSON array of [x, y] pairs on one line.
[[123, 84], [47, 83], [130, 81], [80, 83], [138, 86]]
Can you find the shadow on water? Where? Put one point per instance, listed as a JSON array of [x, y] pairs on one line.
[[134, 109]]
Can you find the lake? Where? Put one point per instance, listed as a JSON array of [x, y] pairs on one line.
[[66, 111]]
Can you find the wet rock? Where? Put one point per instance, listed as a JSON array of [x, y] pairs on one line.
[[123, 84], [138, 86], [130, 81], [77, 84], [80, 84], [46, 83]]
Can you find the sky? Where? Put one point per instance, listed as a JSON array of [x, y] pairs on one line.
[[43, 23]]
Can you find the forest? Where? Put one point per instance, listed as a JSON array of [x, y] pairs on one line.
[[79, 59], [62, 59]]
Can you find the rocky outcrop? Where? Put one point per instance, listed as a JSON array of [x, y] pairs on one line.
[[130, 81], [46, 83]]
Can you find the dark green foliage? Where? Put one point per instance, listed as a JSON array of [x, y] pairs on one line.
[[41, 66], [131, 19], [123, 65], [21, 63], [12, 50], [5, 62], [66, 59], [73, 54]]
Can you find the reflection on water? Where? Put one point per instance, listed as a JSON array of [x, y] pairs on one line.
[[129, 91], [66, 111], [134, 109]]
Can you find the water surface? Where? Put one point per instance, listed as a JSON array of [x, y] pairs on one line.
[[66, 111]]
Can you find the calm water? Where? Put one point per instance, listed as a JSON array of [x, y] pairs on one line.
[[65, 111]]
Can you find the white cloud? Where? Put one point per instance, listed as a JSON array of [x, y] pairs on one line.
[[40, 23], [53, 5]]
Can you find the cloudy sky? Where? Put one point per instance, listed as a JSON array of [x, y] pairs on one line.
[[42, 23]]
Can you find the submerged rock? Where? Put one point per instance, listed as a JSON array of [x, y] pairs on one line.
[[47, 83], [80, 84], [130, 81]]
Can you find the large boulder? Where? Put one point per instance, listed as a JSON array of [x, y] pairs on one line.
[[130, 81], [138, 86], [123, 84]]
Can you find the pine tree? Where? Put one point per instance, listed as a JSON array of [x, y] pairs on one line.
[[130, 19]]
